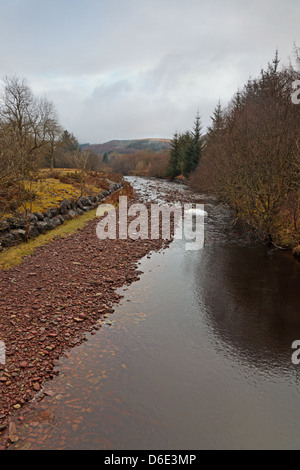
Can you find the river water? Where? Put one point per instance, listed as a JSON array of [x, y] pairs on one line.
[[198, 355]]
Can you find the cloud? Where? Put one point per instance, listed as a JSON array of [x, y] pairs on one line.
[[126, 69]]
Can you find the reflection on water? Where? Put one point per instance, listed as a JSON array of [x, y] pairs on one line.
[[198, 355], [252, 303]]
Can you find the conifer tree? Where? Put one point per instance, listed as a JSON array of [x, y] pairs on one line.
[[197, 143], [173, 168], [217, 119]]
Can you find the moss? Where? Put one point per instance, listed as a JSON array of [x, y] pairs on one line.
[[50, 192]]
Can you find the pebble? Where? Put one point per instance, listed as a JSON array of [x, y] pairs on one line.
[[65, 300]]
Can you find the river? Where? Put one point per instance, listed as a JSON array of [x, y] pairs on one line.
[[198, 355]]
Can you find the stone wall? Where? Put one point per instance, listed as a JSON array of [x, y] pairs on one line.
[[12, 230]]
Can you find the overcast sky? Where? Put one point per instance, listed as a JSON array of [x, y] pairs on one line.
[[121, 69]]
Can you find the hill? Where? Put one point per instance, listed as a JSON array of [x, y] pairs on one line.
[[129, 146]]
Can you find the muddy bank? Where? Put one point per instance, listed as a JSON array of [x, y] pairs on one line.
[[63, 290]]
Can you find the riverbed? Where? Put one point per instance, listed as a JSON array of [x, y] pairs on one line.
[[197, 355]]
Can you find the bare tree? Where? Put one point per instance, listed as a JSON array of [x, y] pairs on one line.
[[30, 122], [8, 160], [53, 141], [252, 161], [81, 163], [27, 125]]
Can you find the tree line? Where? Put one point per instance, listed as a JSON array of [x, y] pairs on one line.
[[186, 150], [31, 135], [181, 160], [251, 154], [31, 138], [142, 163]]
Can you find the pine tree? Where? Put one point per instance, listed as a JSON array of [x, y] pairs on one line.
[[186, 151], [173, 168], [193, 143], [217, 125], [197, 143], [217, 118], [188, 154], [69, 141]]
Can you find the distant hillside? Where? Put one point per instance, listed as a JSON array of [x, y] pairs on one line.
[[129, 146]]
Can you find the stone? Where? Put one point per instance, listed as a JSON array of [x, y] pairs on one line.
[[113, 187], [37, 387], [16, 222], [8, 240], [79, 204], [54, 211], [60, 217], [12, 429], [55, 222], [41, 226], [33, 218], [4, 225], [49, 223], [19, 234], [51, 213], [64, 206], [85, 201], [33, 232], [72, 214], [39, 216]]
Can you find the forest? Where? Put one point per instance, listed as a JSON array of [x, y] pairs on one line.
[[251, 155]]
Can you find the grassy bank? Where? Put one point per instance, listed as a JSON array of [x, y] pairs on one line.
[[15, 255]]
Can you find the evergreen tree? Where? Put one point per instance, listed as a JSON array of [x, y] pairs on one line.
[[197, 143], [188, 152], [218, 124], [69, 141], [217, 119], [192, 148], [173, 168]]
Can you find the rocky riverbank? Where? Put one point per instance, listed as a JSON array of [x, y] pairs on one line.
[[13, 229], [48, 302]]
